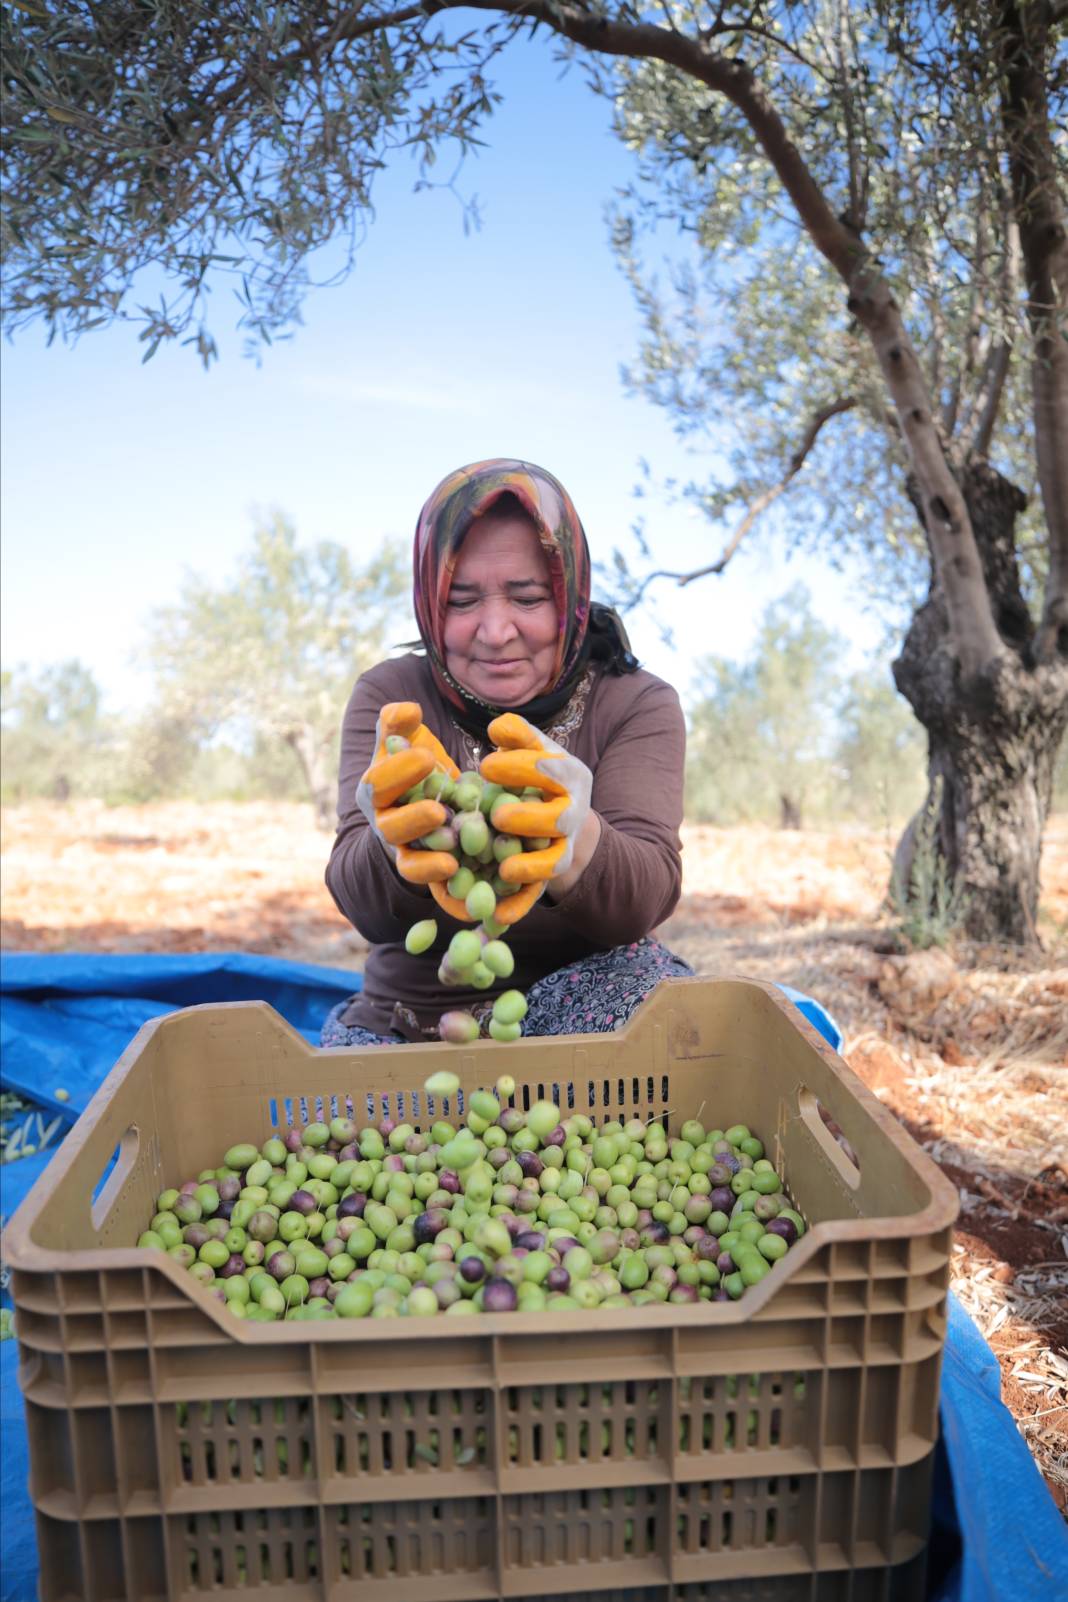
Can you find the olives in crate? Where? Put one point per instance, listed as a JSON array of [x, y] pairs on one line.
[[496, 1211]]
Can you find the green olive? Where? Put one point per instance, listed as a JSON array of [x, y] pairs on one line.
[[498, 959], [465, 949], [461, 883], [510, 1007], [481, 902]]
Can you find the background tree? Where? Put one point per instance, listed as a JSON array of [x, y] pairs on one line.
[[202, 141], [783, 737], [54, 742], [760, 734], [880, 753], [273, 654]]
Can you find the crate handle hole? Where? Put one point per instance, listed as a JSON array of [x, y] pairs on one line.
[[119, 1167], [829, 1136]]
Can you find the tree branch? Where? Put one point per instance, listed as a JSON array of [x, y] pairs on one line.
[[761, 504], [1039, 213], [994, 375], [949, 530]]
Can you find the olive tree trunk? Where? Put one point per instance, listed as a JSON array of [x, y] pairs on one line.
[[992, 737], [313, 755]]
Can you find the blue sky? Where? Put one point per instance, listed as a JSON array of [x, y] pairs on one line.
[[442, 348]]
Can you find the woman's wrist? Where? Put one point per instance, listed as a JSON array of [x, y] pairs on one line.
[[586, 843]]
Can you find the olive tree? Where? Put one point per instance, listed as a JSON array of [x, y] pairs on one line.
[[205, 143], [271, 654]]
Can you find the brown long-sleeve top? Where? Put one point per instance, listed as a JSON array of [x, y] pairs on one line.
[[629, 731]]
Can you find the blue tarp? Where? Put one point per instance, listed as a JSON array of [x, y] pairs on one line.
[[65, 1020]]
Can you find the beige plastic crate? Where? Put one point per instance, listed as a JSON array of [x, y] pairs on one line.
[[776, 1448]]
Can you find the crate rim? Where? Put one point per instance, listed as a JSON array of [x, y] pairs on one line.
[[23, 1255]]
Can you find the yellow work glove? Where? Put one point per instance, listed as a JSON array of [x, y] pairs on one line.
[[525, 758], [390, 776]]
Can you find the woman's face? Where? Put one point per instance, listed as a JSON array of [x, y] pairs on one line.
[[500, 619]]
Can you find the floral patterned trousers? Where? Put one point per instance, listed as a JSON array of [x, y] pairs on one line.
[[589, 997]]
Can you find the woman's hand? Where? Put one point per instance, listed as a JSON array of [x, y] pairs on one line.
[[526, 758], [391, 775]]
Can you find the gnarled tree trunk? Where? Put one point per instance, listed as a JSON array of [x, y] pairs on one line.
[[992, 739]]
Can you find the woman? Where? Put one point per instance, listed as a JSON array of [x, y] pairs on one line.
[[502, 600]]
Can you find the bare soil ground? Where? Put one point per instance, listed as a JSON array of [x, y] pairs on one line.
[[969, 1049]]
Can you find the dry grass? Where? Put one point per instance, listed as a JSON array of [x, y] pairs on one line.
[[970, 1049]]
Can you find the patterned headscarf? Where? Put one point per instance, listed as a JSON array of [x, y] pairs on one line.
[[469, 493]]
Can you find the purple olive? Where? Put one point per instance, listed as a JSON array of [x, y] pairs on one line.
[[189, 1188], [531, 1164], [683, 1293], [719, 1173], [558, 1278], [472, 1269], [280, 1265], [425, 1226], [386, 1127], [196, 1234], [655, 1233], [234, 1264], [720, 1295], [499, 1296], [224, 1209], [784, 1227], [511, 1120], [447, 1180], [725, 1263], [707, 1249], [303, 1202], [527, 1201], [394, 1163], [262, 1225], [722, 1199], [319, 1286], [293, 1139], [349, 1153], [555, 1137], [532, 1239], [352, 1206], [229, 1189], [693, 1234], [564, 1244], [332, 1247]]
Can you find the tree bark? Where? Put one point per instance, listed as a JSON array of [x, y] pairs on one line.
[[993, 739]]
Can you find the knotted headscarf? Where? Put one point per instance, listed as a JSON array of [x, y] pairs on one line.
[[584, 629]]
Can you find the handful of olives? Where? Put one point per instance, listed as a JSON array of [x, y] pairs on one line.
[[475, 957], [507, 1211]]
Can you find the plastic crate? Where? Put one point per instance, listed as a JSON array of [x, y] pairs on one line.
[[770, 1450]]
